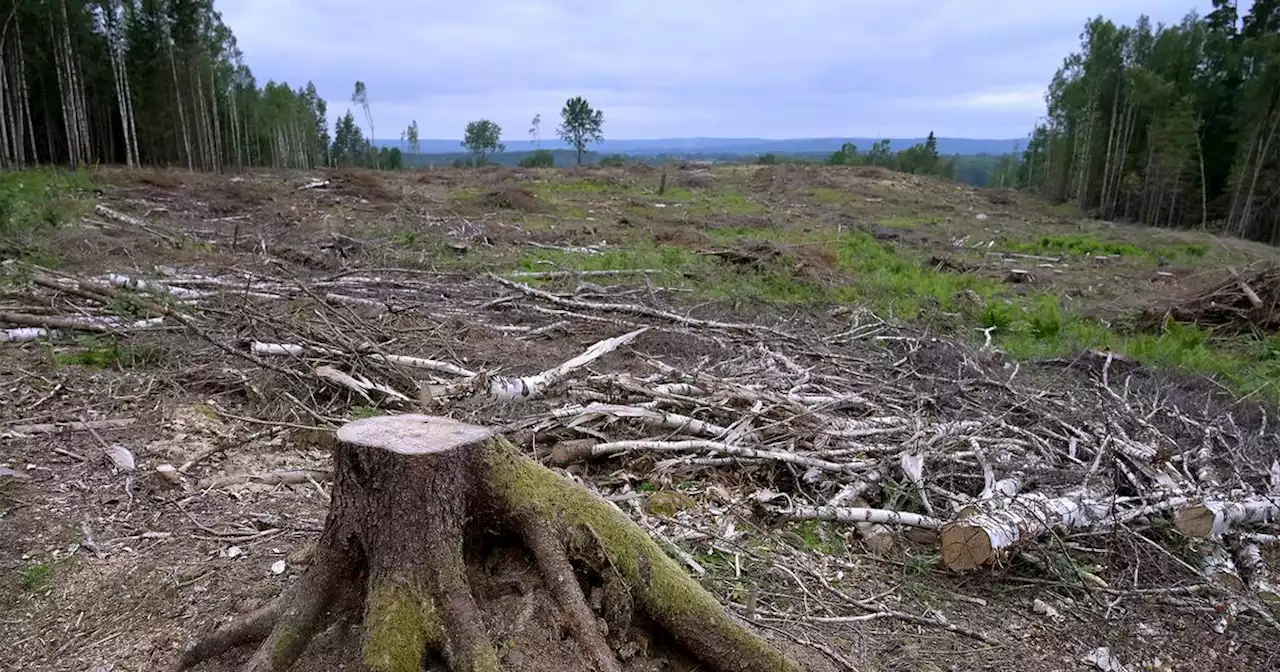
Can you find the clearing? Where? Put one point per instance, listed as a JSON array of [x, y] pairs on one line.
[[950, 371]]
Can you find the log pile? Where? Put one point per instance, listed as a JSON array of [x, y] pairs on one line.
[[1244, 302]]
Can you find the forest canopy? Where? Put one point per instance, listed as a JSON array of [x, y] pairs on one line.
[[1169, 125], [143, 82]]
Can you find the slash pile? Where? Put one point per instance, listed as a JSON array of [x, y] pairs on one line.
[[867, 425]]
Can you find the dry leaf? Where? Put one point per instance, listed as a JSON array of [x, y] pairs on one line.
[[121, 457]]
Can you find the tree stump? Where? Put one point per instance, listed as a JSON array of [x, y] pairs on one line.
[[409, 492]]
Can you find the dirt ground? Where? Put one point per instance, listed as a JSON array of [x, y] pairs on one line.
[[107, 569]]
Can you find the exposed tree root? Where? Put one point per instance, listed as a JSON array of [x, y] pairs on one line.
[[408, 493]]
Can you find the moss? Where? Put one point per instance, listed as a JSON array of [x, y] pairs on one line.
[[286, 649], [667, 503], [400, 623], [484, 660], [665, 591]]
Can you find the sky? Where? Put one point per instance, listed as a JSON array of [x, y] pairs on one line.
[[682, 68]]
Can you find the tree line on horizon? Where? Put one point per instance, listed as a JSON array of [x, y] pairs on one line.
[[1171, 126]]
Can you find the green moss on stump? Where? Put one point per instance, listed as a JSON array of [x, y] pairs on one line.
[[664, 590], [401, 622]]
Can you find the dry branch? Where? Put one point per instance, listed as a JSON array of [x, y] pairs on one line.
[[861, 515], [628, 308], [14, 431], [535, 386]]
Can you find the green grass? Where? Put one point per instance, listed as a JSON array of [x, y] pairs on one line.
[[1042, 328], [35, 201], [1086, 245], [37, 577], [828, 195], [898, 284], [103, 353], [892, 281]]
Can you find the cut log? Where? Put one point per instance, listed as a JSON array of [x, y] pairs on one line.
[[983, 532], [1213, 518], [1258, 575], [433, 476]]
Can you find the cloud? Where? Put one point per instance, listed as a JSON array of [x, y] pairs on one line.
[[663, 68]]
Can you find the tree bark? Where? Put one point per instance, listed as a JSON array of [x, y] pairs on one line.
[[985, 532], [406, 491]]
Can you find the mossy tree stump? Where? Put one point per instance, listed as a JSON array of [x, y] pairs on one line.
[[408, 492]]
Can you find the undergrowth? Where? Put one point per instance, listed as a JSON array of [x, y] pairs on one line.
[[892, 282], [35, 201], [1087, 245], [104, 353]]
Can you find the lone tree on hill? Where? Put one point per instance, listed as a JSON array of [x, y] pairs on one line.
[[482, 137], [580, 124], [416, 500]]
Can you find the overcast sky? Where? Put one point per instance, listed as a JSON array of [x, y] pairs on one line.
[[683, 68]]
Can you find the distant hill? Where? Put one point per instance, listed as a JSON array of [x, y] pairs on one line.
[[741, 146]]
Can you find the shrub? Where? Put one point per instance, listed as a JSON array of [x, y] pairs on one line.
[[541, 158]]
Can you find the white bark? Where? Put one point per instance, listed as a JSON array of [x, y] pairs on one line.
[[358, 384], [862, 515], [1213, 518], [24, 334], [297, 350], [535, 386], [1258, 575], [997, 525], [673, 421], [152, 287], [856, 489], [421, 363], [614, 447]]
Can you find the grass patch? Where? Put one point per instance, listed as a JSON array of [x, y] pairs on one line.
[[100, 353], [35, 201], [899, 285], [1043, 328], [1086, 245], [36, 577], [1077, 245], [827, 195], [582, 187]]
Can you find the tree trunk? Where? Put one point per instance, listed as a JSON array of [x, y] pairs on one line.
[[1204, 184], [1112, 143], [1263, 151], [177, 93], [989, 530], [218, 158], [26, 93], [6, 160], [406, 491]]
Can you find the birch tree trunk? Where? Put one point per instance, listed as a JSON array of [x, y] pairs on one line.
[[1263, 152]]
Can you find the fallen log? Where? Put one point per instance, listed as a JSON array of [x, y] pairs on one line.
[[987, 530], [1213, 518]]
